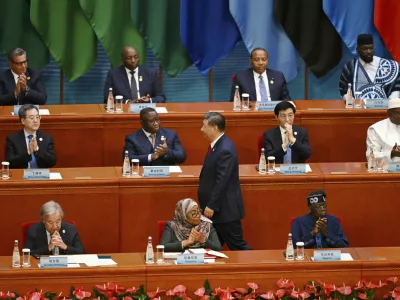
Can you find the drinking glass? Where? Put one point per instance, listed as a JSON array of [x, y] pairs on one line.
[[118, 104], [160, 254], [300, 251], [357, 100], [245, 102], [5, 170], [135, 167], [271, 164], [26, 257]]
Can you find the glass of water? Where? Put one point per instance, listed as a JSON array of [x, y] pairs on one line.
[[160, 254], [357, 100], [135, 167], [300, 251], [118, 104], [5, 170], [26, 258], [271, 165], [245, 102]]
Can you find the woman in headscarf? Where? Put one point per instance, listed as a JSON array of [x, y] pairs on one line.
[[189, 229]]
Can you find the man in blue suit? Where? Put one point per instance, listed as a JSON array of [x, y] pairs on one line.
[[219, 192], [260, 83], [133, 82], [20, 84], [152, 145]]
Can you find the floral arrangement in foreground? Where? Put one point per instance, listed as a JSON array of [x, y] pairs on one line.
[[286, 289]]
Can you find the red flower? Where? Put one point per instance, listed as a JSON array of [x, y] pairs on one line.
[[179, 290], [35, 296], [329, 288], [241, 290], [80, 293], [127, 298], [205, 297], [131, 290], [362, 296], [268, 295], [252, 285], [392, 279], [200, 292], [20, 298], [312, 289], [6, 295], [294, 294], [280, 293], [284, 283], [344, 290], [304, 295]]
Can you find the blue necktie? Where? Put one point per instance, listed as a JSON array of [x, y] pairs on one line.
[[287, 158], [263, 90], [33, 163], [318, 240]]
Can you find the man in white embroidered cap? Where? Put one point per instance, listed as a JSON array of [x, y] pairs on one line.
[[383, 137], [287, 142], [52, 235], [318, 229]]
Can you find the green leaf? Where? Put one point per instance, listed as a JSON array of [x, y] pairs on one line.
[[207, 288]]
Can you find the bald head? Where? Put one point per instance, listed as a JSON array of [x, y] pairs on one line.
[[130, 57]]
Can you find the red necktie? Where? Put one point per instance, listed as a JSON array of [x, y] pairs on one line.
[[209, 149]]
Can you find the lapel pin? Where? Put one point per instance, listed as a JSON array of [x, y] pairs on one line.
[[140, 78], [40, 139], [63, 230], [295, 133], [272, 82], [28, 78]]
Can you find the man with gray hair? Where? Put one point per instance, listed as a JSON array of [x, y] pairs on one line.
[[45, 237], [20, 84]]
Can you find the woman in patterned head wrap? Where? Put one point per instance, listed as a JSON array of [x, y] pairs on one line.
[[189, 229]]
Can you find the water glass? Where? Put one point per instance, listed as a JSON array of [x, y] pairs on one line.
[[300, 251], [160, 254], [118, 104], [135, 167], [379, 163], [26, 257], [357, 100], [245, 102], [5, 170], [271, 165]]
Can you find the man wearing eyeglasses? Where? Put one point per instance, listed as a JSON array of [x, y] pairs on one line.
[[133, 82], [30, 148], [318, 229], [20, 84]]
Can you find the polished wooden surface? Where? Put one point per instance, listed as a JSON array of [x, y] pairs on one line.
[[116, 214], [262, 267], [86, 136]]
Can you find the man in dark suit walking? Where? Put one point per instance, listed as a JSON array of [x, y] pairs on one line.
[[287, 142], [29, 147], [153, 145], [20, 84], [260, 83], [219, 192], [133, 82], [43, 237]]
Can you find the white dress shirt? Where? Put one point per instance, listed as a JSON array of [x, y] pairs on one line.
[[136, 75], [257, 82], [48, 237], [151, 142], [216, 140], [16, 77], [381, 138]]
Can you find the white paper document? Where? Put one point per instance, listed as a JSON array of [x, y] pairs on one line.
[[101, 262], [55, 175], [81, 258], [74, 265], [161, 110], [308, 169], [42, 112], [175, 169], [171, 255], [346, 256]]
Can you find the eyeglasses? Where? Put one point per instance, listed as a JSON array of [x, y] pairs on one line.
[[33, 118], [195, 213], [20, 63]]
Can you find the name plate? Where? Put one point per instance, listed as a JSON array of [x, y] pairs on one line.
[[54, 262], [266, 105], [189, 259], [36, 174], [394, 167], [377, 103], [137, 107], [17, 107], [293, 169], [154, 171], [327, 255]]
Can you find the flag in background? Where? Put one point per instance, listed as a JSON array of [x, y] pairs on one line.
[[67, 34], [111, 21], [158, 22], [258, 28], [208, 31], [311, 33], [351, 18], [386, 20], [16, 30]]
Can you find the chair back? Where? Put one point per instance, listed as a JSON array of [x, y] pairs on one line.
[[160, 228], [25, 226]]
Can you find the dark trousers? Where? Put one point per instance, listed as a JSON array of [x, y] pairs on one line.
[[232, 234]]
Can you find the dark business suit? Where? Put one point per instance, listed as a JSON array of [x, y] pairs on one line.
[[17, 152], [36, 239], [300, 149], [139, 147], [276, 82], [219, 189], [35, 95], [118, 80]]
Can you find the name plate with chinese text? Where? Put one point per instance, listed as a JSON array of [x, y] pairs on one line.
[[54, 262], [189, 259], [293, 169], [266, 105], [377, 103], [327, 255], [137, 107], [36, 174], [154, 171], [394, 167]]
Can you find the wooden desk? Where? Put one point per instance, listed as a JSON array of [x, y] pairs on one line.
[[86, 136]]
